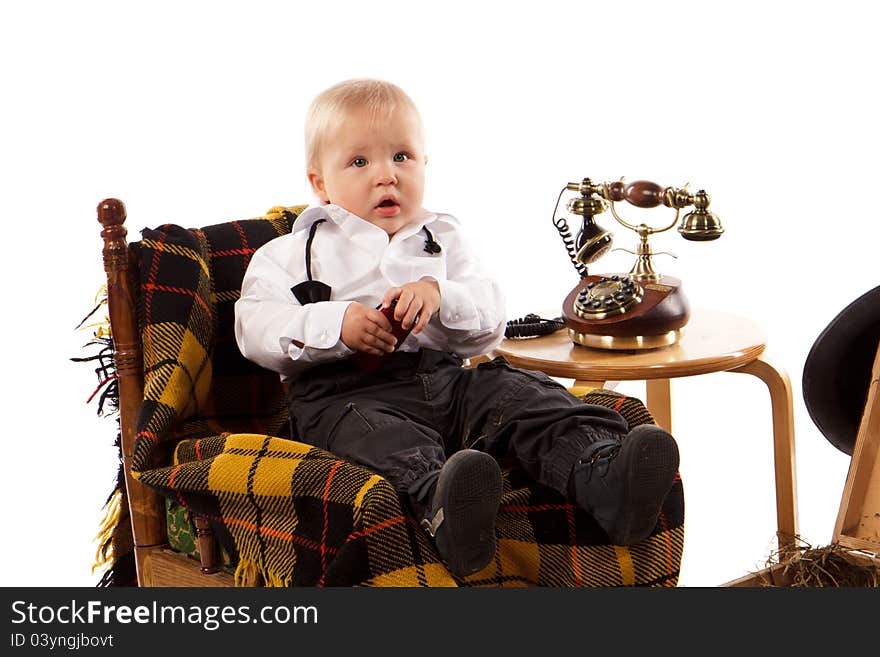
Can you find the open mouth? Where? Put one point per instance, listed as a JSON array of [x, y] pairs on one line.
[[387, 207]]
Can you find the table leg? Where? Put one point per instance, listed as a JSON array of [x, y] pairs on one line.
[[659, 402], [783, 445]]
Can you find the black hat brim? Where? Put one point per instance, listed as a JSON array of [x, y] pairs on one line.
[[837, 372]]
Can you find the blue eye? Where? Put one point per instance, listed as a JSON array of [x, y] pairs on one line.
[[401, 157], [359, 162]]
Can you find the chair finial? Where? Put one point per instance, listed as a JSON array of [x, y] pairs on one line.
[[111, 212]]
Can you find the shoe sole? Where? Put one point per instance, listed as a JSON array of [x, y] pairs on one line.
[[651, 460], [470, 490]]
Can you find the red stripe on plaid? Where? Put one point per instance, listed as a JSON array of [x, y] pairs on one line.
[[232, 252], [326, 501], [148, 434], [173, 476], [147, 334], [619, 403], [275, 533], [198, 449], [388, 522], [244, 242], [178, 290]]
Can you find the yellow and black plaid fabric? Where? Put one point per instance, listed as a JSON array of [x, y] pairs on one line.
[[212, 436]]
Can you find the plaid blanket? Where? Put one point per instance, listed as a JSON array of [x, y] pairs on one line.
[[212, 435]]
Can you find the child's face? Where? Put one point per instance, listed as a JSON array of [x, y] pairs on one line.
[[374, 168]]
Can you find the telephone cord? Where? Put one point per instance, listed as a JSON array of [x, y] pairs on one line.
[[532, 325], [565, 233]]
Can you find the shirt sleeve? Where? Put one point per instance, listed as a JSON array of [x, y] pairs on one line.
[[472, 308], [274, 330]]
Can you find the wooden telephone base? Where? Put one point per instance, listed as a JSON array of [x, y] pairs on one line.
[[654, 321]]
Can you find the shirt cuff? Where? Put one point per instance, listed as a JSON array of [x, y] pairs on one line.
[[320, 328], [457, 310]]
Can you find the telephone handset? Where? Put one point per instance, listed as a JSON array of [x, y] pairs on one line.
[[641, 309]]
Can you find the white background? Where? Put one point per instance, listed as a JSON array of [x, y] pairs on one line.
[[192, 113]]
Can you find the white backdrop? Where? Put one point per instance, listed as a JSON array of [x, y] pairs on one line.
[[192, 112]]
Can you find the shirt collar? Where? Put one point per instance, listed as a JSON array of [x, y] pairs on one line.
[[351, 224]]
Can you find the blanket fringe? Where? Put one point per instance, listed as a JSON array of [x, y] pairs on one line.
[[248, 573], [106, 554], [115, 555], [115, 552]]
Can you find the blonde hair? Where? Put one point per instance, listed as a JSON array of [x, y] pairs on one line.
[[378, 97]]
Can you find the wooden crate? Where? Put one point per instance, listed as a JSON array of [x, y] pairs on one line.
[[858, 521]]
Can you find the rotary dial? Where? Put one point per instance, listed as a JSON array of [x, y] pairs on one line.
[[608, 297]]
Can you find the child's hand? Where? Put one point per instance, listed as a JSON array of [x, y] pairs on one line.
[[367, 329], [421, 297]]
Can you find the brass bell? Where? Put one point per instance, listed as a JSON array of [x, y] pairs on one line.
[[700, 225]]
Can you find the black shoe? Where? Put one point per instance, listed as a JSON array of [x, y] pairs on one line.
[[462, 515], [623, 486]]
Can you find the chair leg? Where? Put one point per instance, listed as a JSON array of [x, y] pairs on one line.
[[207, 545]]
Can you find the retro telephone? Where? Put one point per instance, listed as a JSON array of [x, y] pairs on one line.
[[641, 309]]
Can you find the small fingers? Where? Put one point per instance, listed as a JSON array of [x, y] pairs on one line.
[[379, 338], [390, 296], [403, 303], [371, 345], [411, 313], [367, 349], [379, 318], [421, 321]]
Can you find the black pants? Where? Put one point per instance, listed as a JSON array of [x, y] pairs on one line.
[[403, 420]]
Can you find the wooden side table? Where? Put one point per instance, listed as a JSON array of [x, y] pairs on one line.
[[712, 341]]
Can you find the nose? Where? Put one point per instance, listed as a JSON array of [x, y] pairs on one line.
[[386, 175]]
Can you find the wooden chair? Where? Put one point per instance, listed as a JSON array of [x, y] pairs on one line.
[[656, 561], [156, 565]]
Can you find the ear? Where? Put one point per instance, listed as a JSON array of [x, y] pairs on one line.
[[318, 186]]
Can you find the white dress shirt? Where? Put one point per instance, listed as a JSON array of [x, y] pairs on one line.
[[360, 263]]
